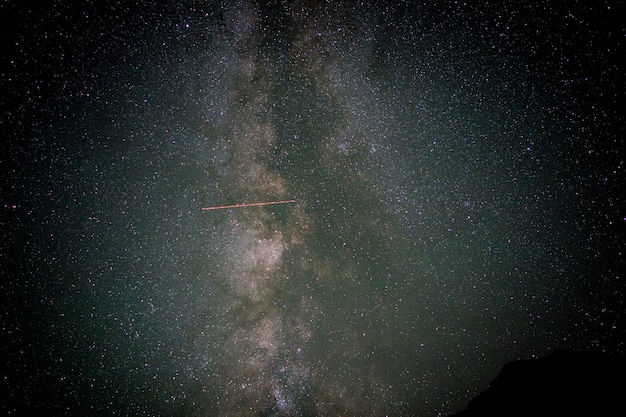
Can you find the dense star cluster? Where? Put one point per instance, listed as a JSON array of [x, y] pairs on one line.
[[458, 183]]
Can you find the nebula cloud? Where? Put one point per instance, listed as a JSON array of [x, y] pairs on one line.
[[304, 208]]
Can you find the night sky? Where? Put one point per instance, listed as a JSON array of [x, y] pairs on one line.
[[459, 190]]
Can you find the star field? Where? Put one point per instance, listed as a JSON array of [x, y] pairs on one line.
[[457, 174]]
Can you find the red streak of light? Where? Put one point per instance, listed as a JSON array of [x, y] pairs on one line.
[[264, 203]]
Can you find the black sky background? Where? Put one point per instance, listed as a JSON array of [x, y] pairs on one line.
[[77, 77]]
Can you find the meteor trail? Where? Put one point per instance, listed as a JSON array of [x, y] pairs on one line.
[[264, 203]]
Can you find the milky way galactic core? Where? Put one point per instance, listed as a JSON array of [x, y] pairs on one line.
[[304, 208]]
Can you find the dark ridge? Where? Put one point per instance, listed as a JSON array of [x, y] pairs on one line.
[[566, 383]]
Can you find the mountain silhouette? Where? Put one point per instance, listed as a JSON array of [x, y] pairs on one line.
[[565, 383]]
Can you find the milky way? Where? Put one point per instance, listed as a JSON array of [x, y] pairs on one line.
[[454, 197]]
